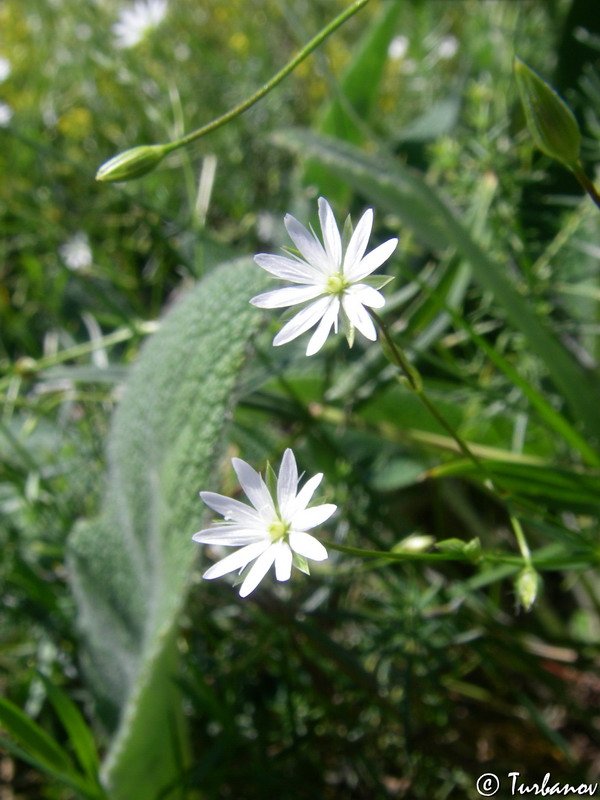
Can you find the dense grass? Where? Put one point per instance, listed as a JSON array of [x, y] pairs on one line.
[[373, 678]]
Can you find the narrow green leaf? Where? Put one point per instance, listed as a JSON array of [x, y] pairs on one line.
[[402, 191], [555, 487], [79, 734], [131, 568], [33, 738], [345, 115], [72, 780], [553, 418]]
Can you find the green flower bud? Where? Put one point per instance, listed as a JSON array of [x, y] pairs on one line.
[[471, 549], [549, 119], [527, 585], [132, 163]]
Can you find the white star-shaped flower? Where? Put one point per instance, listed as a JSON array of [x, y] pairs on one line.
[[271, 531], [334, 280], [137, 20]]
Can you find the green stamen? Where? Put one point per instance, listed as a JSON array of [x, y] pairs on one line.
[[277, 530], [336, 284]]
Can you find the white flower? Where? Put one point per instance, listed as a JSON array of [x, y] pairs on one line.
[[6, 114], [398, 48], [270, 532], [76, 252], [333, 279], [5, 68], [137, 20], [447, 47]]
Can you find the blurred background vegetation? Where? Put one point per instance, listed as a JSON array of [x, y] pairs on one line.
[[366, 681]]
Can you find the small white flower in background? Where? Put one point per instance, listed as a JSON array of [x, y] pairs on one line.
[[76, 252], [137, 20], [447, 47], [271, 531], [5, 68], [398, 48], [6, 114], [335, 280]]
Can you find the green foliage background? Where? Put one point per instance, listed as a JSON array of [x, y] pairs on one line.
[[124, 674]]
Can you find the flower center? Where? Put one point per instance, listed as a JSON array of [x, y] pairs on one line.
[[336, 284], [278, 529]]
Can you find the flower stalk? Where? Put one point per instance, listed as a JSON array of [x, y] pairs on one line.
[[150, 152], [586, 183], [414, 381]]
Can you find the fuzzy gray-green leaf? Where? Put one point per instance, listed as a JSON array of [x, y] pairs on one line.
[[130, 569]]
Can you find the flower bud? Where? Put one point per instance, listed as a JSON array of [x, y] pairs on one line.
[[549, 119], [527, 585], [471, 550], [414, 544], [132, 163]]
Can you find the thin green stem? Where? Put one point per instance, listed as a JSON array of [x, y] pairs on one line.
[[272, 83], [30, 366], [521, 540], [581, 561], [416, 384], [587, 184]]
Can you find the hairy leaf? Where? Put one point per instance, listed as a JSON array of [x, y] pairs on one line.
[[130, 569]]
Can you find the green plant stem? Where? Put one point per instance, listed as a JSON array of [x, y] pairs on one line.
[[272, 83], [587, 184], [416, 384], [521, 541], [414, 380], [30, 366], [569, 562]]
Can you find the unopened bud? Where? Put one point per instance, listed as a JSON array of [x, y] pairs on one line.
[[549, 119], [471, 550], [132, 163], [414, 544], [527, 585], [25, 366]]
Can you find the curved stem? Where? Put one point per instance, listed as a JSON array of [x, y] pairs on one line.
[[587, 184], [574, 562], [521, 540], [291, 65], [416, 384]]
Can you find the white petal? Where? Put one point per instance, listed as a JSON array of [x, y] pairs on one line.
[[231, 509], [310, 247], [254, 487], [311, 517], [229, 536], [359, 317], [287, 482], [288, 269], [283, 561], [371, 261], [304, 496], [366, 295], [236, 560], [306, 545], [286, 297], [303, 320], [358, 241], [331, 235], [317, 340], [259, 570]]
